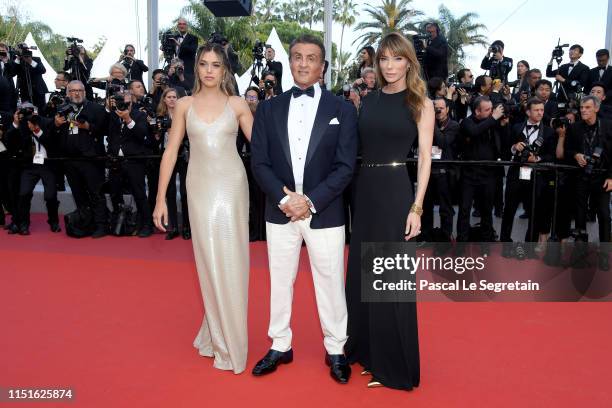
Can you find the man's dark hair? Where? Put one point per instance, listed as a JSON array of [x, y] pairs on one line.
[[308, 39], [478, 101], [441, 98], [269, 72], [461, 73], [252, 88], [599, 84], [533, 101], [133, 81], [157, 71], [66, 75], [602, 53], [433, 85], [433, 23], [534, 71], [543, 82], [498, 42], [480, 82], [577, 46]]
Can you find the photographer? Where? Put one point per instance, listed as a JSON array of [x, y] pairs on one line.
[[115, 82], [602, 73], [31, 140], [521, 85], [161, 82], [127, 136], [135, 67], [436, 53], [439, 187], [498, 66], [479, 139], [58, 97], [165, 112], [78, 64], [176, 75], [588, 143], [367, 82], [8, 69], [80, 132], [532, 142], [276, 67], [30, 82], [437, 88], [267, 86], [543, 91], [598, 90], [571, 76], [462, 98], [186, 47]]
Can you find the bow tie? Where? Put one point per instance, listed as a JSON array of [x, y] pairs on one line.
[[535, 127], [297, 92], [571, 65]]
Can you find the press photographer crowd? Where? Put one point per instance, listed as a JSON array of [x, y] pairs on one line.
[[543, 137]]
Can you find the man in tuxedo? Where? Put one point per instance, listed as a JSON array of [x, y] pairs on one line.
[[81, 135], [186, 47], [543, 91], [135, 67], [599, 90], [303, 153], [571, 76], [602, 73], [127, 136], [532, 141], [276, 67], [436, 53], [176, 75], [30, 82]]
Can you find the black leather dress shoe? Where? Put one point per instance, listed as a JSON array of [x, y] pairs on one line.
[[24, 230], [12, 229], [54, 226], [271, 360], [186, 233], [340, 370], [99, 233], [145, 232], [171, 234]]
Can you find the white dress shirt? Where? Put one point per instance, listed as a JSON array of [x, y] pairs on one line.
[[40, 149]]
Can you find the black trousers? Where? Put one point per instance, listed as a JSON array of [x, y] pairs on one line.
[[10, 178], [30, 176], [133, 172], [86, 180], [518, 191], [592, 186], [152, 173], [566, 204], [481, 186], [438, 190], [180, 168]]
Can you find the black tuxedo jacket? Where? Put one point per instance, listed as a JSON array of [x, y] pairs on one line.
[[187, 52], [436, 58], [606, 79], [579, 73], [87, 142], [130, 141], [7, 87], [546, 153], [135, 69], [39, 87], [575, 143], [330, 160]]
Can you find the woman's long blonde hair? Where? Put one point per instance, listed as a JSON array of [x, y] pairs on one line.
[[162, 108], [416, 92], [227, 85]]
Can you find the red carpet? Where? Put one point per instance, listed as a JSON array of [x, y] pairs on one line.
[[114, 320]]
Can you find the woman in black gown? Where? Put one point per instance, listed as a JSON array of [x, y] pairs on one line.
[[383, 337]]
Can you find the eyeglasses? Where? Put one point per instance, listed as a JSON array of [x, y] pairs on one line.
[[76, 91], [251, 98]]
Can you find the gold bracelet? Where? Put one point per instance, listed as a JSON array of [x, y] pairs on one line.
[[417, 209]]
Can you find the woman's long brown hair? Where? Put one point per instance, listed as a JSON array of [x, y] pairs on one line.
[[416, 92], [227, 85]]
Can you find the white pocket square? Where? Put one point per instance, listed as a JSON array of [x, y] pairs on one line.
[[334, 121]]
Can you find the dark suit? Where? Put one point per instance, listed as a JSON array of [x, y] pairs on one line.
[[330, 160], [135, 68], [187, 51], [86, 177], [580, 73], [8, 93], [35, 89], [436, 58], [518, 190], [277, 67], [497, 69], [606, 79], [130, 142]]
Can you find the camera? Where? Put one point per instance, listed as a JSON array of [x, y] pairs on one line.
[[593, 160], [557, 53], [258, 50], [494, 49], [560, 122], [66, 109], [417, 41], [269, 84], [164, 123], [168, 45], [57, 98], [22, 50], [73, 48], [120, 103], [180, 70], [533, 148], [346, 91]]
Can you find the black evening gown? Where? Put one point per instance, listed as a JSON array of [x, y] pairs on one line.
[[382, 337]]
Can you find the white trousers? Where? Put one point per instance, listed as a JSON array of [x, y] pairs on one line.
[[326, 253]]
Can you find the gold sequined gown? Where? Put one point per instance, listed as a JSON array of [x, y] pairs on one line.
[[218, 199]]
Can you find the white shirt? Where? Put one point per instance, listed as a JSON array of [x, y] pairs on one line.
[[40, 149], [571, 67], [302, 113]]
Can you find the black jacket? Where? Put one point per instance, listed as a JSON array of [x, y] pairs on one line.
[[135, 69], [480, 140], [546, 152], [593, 77], [19, 141], [39, 87], [86, 142], [436, 58], [497, 69], [78, 70], [575, 143], [130, 141], [8, 93], [187, 52], [277, 67], [580, 73]]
